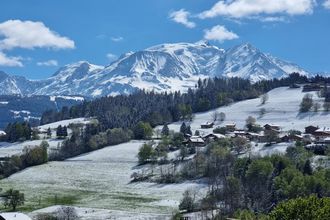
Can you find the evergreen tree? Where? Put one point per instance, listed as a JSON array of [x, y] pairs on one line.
[[188, 130], [308, 170], [183, 128], [49, 133], [165, 130]]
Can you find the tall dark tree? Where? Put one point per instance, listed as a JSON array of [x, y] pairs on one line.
[[183, 128], [165, 130]]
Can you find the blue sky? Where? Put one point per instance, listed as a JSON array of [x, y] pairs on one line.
[[39, 36]]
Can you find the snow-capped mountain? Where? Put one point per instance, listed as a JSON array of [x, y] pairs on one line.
[[17, 85], [165, 67], [71, 79]]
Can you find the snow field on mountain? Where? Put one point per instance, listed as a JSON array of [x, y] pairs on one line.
[[282, 108]]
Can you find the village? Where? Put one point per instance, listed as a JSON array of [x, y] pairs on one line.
[[313, 138]]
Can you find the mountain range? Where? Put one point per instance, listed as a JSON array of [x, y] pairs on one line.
[[165, 67]]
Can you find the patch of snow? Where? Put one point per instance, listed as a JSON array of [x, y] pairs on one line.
[[65, 123], [14, 216]]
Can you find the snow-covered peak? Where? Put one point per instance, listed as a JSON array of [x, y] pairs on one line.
[[164, 67], [76, 71], [242, 50]]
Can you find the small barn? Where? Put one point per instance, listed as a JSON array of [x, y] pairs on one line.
[[272, 127], [231, 127], [322, 132], [213, 137], [207, 125], [195, 141]]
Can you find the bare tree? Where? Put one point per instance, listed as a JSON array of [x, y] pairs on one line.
[[222, 116], [215, 116], [240, 144], [264, 98], [67, 213], [262, 112], [316, 106]]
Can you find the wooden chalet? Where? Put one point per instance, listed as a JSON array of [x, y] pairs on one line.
[[311, 129], [195, 141], [272, 127], [207, 125], [231, 127], [322, 132], [213, 137]]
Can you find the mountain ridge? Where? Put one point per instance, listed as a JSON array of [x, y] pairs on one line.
[[163, 67]]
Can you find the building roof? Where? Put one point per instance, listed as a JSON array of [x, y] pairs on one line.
[[272, 125], [215, 135], [196, 140], [14, 216], [311, 126], [324, 129], [208, 123]]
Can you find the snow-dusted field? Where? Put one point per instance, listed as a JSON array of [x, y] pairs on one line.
[[282, 108], [9, 149], [65, 123], [98, 214], [100, 179]]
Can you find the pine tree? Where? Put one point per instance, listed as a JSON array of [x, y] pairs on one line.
[[183, 128], [308, 170], [188, 130], [165, 130], [49, 132]]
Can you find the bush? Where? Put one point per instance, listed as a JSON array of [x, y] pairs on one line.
[[306, 103], [303, 208], [143, 131], [146, 153], [220, 130], [188, 201]]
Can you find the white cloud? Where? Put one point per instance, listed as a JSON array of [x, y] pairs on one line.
[[48, 63], [111, 56], [326, 4], [181, 17], [219, 33], [273, 19], [246, 8], [10, 61], [29, 35], [117, 39]]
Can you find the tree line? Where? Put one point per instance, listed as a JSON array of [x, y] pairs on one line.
[[126, 111]]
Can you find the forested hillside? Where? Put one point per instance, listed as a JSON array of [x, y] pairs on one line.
[[126, 111]]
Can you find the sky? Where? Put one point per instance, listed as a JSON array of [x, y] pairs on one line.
[[37, 37]]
